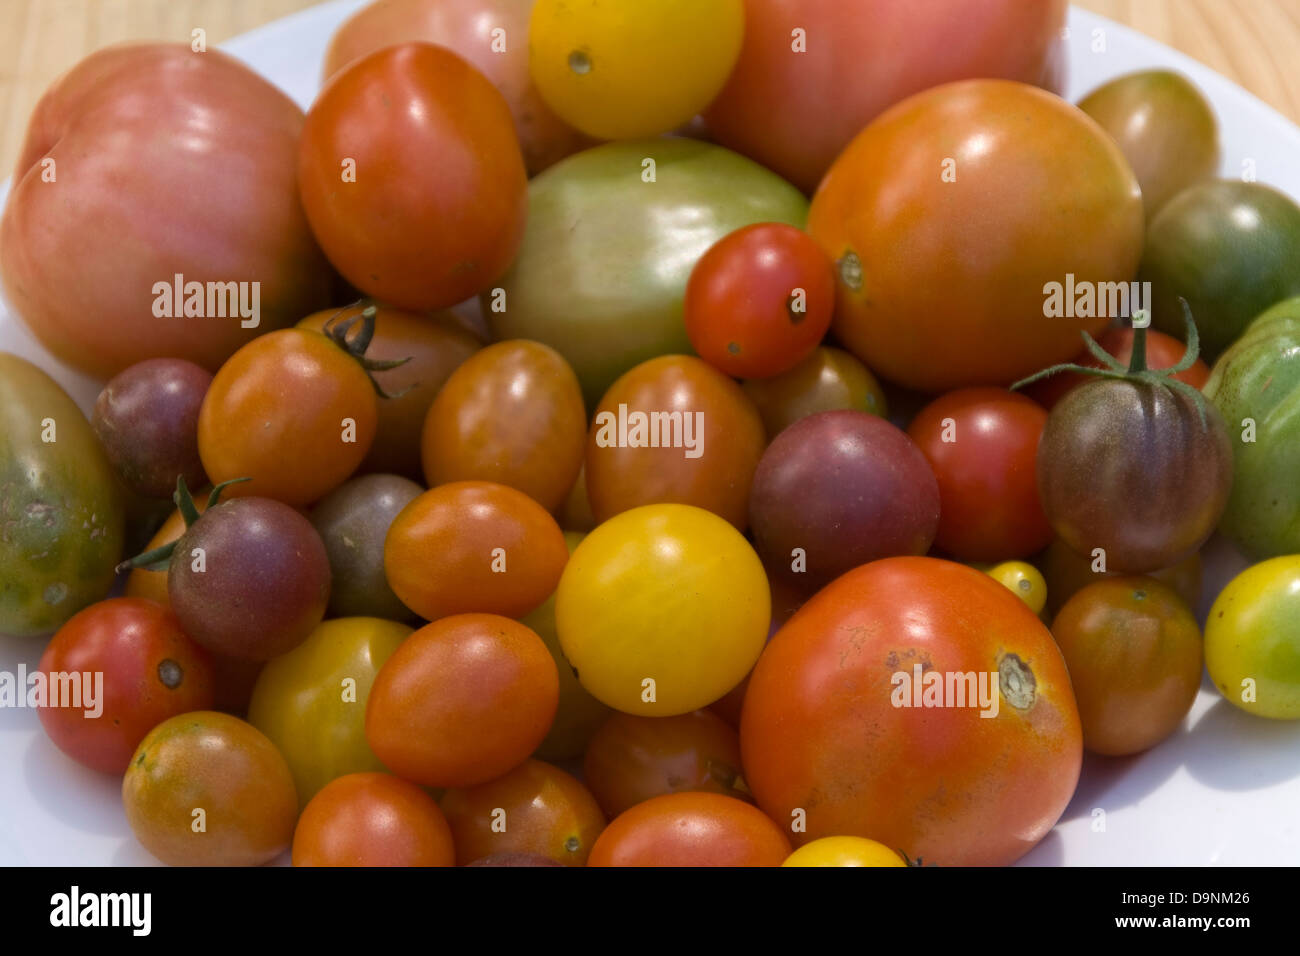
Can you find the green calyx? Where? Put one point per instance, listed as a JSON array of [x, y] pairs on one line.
[[159, 558], [1137, 370], [357, 345]]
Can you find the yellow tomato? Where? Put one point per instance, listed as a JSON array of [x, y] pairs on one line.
[[579, 715], [1252, 639], [663, 609], [844, 851], [311, 702], [1024, 580], [626, 70]]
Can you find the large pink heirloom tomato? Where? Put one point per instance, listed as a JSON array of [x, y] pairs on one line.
[[812, 73], [142, 163]]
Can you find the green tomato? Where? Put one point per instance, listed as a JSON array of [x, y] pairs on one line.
[[1252, 639], [613, 233], [311, 701], [1256, 385], [61, 510]]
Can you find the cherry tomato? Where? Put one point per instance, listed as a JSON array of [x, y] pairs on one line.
[[631, 759], [153, 584], [1023, 580], [207, 789], [372, 819], [473, 546], [691, 829], [462, 701], [827, 380], [1252, 639], [311, 702], [983, 446], [132, 667], [844, 851], [1134, 655], [673, 429], [600, 66], [411, 177], [662, 610], [512, 414], [293, 412], [535, 808], [759, 300], [1067, 572]]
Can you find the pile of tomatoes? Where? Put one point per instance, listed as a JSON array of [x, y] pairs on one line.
[[497, 472]]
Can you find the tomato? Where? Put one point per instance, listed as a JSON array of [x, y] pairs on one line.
[[60, 508], [844, 851], [799, 58], [372, 819], [1163, 351], [1231, 249], [353, 522], [827, 380], [145, 669], [836, 731], [691, 829], [473, 546], [632, 759], [104, 311], [311, 702], [934, 217], [612, 236], [147, 421], [512, 414], [1066, 572], [490, 34], [1136, 468], [535, 808], [662, 610], [1134, 655], [292, 411], [1164, 127], [578, 714], [143, 583], [1252, 639], [601, 67], [411, 177], [435, 346], [759, 301], [462, 701], [673, 429], [1024, 581], [1256, 384], [207, 789], [836, 490], [983, 446]]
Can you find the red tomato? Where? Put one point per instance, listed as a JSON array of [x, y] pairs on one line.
[[411, 177], [863, 56], [166, 163], [832, 732], [1163, 351], [372, 819], [691, 829], [983, 446], [131, 655], [759, 300]]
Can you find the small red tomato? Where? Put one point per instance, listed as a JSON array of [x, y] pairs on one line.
[[691, 829], [983, 446], [760, 300], [132, 667]]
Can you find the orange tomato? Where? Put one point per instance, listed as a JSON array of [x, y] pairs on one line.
[[691, 829], [372, 819], [473, 546], [462, 701], [535, 808]]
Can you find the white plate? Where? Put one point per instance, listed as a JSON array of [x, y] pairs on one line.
[[1223, 790]]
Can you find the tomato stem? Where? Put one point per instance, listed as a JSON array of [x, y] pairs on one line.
[[159, 559], [361, 341]]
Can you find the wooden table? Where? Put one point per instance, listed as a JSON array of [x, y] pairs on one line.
[[1254, 42]]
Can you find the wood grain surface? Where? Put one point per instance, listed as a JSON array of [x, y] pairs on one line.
[[1256, 43]]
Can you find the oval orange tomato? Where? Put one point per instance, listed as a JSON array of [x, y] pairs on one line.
[[691, 829]]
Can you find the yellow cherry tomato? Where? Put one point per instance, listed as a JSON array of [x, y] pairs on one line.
[[1252, 639], [844, 851], [311, 702], [617, 69], [1024, 580], [663, 609]]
